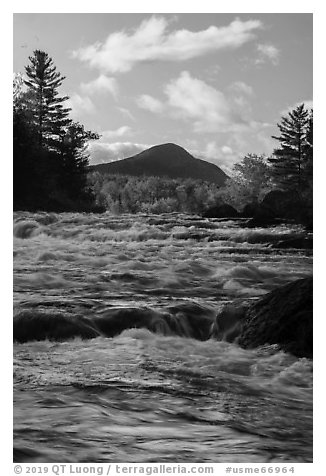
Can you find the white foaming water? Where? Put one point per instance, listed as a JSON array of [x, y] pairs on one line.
[[141, 397]]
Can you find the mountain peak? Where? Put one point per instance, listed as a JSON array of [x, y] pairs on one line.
[[166, 160]]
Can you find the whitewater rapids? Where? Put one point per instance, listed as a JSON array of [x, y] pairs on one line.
[[142, 396]]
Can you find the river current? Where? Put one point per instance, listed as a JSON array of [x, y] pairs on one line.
[[154, 397]]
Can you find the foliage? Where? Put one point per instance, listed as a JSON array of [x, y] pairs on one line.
[[292, 161], [250, 181], [130, 194], [50, 156], [48, 114], [75, 158]]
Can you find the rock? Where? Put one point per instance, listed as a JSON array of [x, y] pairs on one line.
[[187, 320], [263, 218], [39, 325], [228, 323], [26, 229], [221, 211], [283, 317], [279, 205], [250, 210], [289, 206]]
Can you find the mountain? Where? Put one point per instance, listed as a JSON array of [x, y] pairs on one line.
[[165, 160]]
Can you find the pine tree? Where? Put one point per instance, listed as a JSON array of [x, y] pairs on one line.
[[290, 160], [75, 160], [50, 156], [308, 170], [49, 115]]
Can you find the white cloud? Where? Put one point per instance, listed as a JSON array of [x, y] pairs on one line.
[[152, 42], [222, 156], [80, 105], [120, 132], [101, 85], [149, 103], [267, 52], [193, 99], [209, 109], [241, 88], [102, 152]]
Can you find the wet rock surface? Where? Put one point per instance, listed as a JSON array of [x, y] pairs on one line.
[[284, 317]]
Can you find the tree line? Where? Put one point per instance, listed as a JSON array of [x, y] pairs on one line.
[[49, 148], [50, 160], [289, 169], [130, 194]]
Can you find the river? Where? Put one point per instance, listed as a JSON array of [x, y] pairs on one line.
[[154, 397]]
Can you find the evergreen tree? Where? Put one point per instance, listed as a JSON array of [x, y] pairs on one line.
[[75, 160], [308, 169], [49, 115], [50, 157], [290, 160]]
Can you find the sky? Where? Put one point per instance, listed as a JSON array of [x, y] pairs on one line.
[[216, 84]]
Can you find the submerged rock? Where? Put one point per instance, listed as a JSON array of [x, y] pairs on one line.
[[184, 320], [26, 229], [284, 317], [39, 325]]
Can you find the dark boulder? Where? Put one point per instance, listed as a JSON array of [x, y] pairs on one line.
[[187, 320], [250, 210], [284, 317], [289, 205], [228, 323], [262, 218], [279, 205], [221, 211]]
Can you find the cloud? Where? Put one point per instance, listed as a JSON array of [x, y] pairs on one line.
[[120, 132], [151, 41], [149, 103], [222, 156], [267, 52], [102, 152], [239, 87], [208, 109], [80, 105], [193, 99], [102, 84]]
